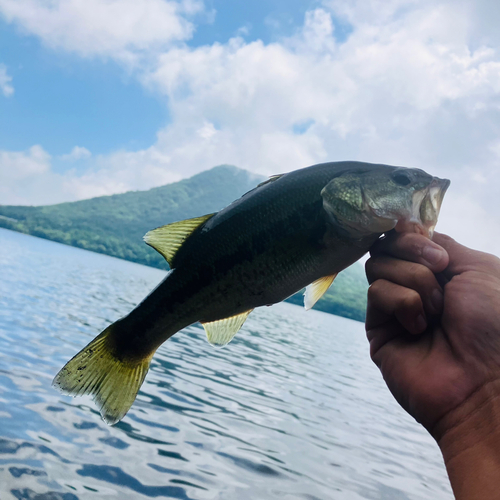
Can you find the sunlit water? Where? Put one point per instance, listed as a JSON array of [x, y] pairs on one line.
[[292, 409]]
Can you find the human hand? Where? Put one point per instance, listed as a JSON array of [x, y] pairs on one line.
[[433, 322]]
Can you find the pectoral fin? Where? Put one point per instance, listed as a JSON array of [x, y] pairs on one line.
[[168, 239], [316, 290], [222, 331]]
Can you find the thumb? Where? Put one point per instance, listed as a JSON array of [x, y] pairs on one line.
[[464, 259]]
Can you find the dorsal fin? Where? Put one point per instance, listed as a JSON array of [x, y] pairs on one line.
[[222, 331], [168, 239], [316, 290], [271, 179]]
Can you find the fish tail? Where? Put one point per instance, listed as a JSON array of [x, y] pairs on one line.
[[112, 382]]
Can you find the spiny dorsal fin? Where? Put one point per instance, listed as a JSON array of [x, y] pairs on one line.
[[168, 239], [271, 179], [316, 290], [222, 331]]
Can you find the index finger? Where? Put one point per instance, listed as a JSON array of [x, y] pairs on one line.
[[412, 247]]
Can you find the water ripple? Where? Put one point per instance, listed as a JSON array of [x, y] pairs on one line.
[[291, 409]]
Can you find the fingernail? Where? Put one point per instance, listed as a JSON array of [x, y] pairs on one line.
[[437, 299], [420, 324], [432, 254]]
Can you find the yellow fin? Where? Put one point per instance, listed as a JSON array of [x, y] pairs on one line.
[[316, 290], [222, 331], [112, 383], [168, 239]]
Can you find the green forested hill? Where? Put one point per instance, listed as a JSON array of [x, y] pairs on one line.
[[114, 225]]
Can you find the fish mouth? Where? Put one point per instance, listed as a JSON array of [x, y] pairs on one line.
[[426, 205], [431, 204], [437, 190]]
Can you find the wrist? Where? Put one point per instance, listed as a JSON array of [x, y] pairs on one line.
[[469, 439]]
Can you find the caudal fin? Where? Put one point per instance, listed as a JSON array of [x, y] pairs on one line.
[[111, 382]]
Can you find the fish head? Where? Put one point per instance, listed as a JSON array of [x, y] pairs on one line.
[[375, 200]]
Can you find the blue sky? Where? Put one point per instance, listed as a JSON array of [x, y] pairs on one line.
[[103, 97], [268, 21], [61, 100]]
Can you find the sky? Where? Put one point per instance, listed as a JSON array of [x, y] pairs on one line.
[[105, 96]]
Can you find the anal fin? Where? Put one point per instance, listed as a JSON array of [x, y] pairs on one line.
[[316, 290], [222, 331]]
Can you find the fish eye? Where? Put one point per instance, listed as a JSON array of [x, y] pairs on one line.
[[401, 178]]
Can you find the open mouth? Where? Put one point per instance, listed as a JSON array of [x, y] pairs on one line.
[[426, 205], [431, 204]]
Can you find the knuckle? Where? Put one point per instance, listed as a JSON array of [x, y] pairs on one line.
[[409, 245], [411, 240], [374, 356], [375, 289], [491, 261], [410, 300], [370, 269], [415, 248], [379, 267], [445, 239], [420, 274]]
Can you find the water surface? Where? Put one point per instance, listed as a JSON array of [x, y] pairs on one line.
[[292, 409]]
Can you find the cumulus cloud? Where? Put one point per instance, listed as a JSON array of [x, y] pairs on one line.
[[5, 82], [398, 94], [77, 153], [17, 171], [29, 177], [114, 28], [412, 91], [123, 171], [416, 83]]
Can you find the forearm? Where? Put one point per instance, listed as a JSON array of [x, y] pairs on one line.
[[469, 438]]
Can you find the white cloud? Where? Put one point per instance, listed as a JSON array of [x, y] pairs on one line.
[[21, 165], [17, 171], [124, 171], [5, 82], [417, 83], [411, 92], [77, 153], [376, 97], [28, 177], [470, 223], [114, 28]]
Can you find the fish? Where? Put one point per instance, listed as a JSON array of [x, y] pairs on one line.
[[293, 231]]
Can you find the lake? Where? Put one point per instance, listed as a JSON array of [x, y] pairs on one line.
[[292, 408]]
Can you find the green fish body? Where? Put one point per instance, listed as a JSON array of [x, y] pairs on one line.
[[293, 231]]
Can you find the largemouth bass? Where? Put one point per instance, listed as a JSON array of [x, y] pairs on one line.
[[293, 231]]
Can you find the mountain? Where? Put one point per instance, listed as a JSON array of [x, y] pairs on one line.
[[114, 225]]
